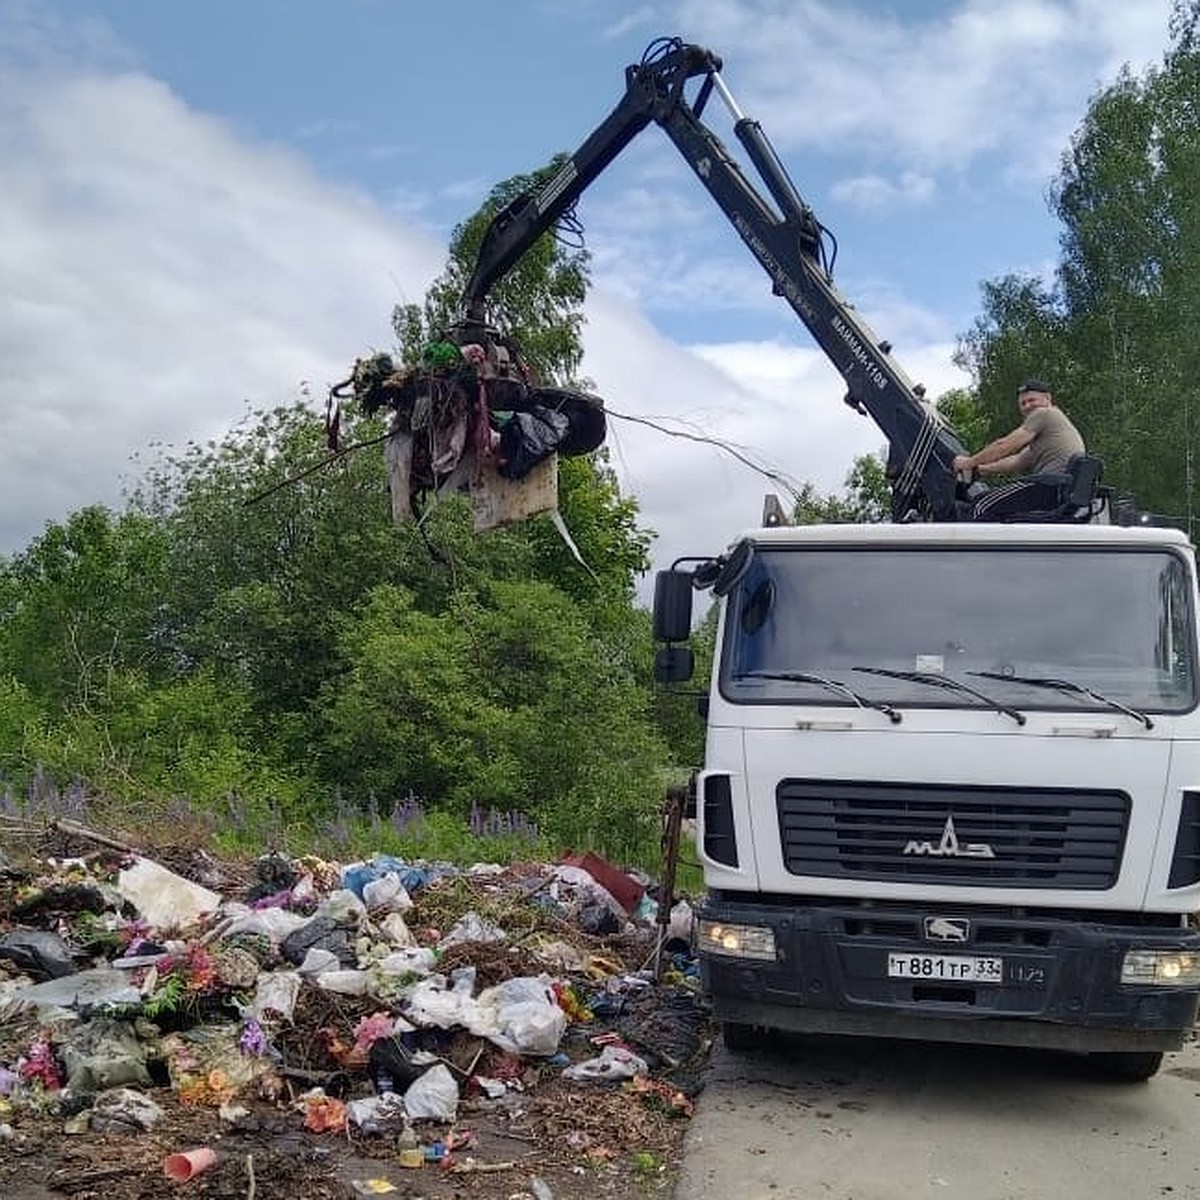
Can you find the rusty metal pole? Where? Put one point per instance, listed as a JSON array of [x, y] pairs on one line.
[[673, 807]]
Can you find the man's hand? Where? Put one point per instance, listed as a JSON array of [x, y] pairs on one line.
[[962, 462]]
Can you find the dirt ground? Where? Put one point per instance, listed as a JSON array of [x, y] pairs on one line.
[[590, 1141]]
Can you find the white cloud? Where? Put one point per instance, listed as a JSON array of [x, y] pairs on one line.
[[639, 18], [161, 273], [782, 405], [876, 191], [983, 75]]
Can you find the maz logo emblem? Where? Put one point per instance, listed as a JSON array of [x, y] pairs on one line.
[[949, 846]]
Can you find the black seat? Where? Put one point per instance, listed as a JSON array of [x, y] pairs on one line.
[[1067, 496]]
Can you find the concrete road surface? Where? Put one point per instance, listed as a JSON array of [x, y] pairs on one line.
[[826, 1119]]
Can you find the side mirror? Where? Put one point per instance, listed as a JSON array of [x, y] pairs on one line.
[[674, 664], [672, 606]]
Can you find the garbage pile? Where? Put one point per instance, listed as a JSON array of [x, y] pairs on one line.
[[535, 1023]]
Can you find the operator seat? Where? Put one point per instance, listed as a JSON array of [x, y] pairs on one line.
[[1068, 496]]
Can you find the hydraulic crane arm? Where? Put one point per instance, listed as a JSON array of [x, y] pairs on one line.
[[781, 232]]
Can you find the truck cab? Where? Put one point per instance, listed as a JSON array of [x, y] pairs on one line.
[[951, 787]]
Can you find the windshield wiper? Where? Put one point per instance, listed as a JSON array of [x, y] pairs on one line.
[[1067, 685], [831, 684], [950, 684]]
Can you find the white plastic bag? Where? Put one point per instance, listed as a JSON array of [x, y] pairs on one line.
[[166, 901], [527, 1018], [275, 992], [345, 983], [387, 893], [473, 928], [615, 1062], [433, 1097]]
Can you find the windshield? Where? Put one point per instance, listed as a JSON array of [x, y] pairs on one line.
[[1117, 623]]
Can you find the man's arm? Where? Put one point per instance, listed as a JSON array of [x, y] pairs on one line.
[[1003, 448], [1011, 465]]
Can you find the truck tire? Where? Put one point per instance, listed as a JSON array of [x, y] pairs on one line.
[[1130, 1066], [738, 1037]]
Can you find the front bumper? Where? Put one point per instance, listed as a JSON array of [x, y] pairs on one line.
[[1059, 988]]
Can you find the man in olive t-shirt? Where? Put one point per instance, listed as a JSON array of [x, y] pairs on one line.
[[1044, 440]]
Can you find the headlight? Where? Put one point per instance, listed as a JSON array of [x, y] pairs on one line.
[[1171, 968], [738, 941]]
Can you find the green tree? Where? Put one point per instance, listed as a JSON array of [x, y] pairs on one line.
[[866, 497], [82, 599], [482, 705]]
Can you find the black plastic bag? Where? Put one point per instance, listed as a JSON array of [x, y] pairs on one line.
[[391, 1065], [529, 437], [321, 933], [42, 954]]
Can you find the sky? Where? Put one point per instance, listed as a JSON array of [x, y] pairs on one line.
[[212, 209]]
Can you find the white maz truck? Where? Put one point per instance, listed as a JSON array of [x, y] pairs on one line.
[[951, 787]]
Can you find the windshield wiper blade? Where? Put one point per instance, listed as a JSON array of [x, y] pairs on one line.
[[947, 682], [832, 685], [1068, 685]]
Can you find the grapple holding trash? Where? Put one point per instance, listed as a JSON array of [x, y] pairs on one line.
[[470, 417]]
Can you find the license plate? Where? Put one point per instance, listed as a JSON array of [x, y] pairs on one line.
[[961, 968]]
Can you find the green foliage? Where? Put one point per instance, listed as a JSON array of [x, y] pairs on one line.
[[22, 722], [169, 996], [507, 700], [82, 597], [964, 414], [415, 834], [866, 499]]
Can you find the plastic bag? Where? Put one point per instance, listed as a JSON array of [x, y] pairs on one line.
[[343, 907], [392, 1061], [323, 933], [527, 1018], [165, 900], [83, 991], [431, 1003], [345, 983], [42, 954], [471, 927], [104, 1054], [434, 1096], [377, 1114], [124, 1110], [275, 992], [387, 893], [615, 1062], [529, 437]]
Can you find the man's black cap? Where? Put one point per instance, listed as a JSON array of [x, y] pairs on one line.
[[1033, 385]]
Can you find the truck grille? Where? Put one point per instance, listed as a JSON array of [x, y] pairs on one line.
[[972, 836]]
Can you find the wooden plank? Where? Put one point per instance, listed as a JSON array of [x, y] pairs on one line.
[[498, 501]]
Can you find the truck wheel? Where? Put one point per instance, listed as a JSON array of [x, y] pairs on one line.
[[1131, 1066], [738, 1037]]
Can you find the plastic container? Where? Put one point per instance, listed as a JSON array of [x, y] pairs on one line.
[[186, 1164]]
